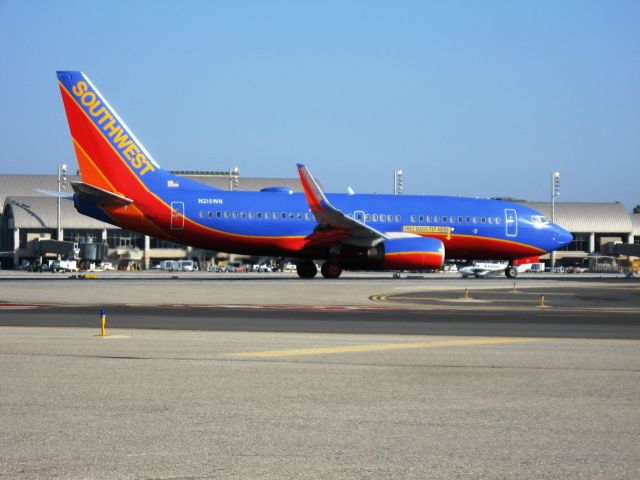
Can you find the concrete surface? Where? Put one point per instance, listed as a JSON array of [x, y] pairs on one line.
[[148, 404]]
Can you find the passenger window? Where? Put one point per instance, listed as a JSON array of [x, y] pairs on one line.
[[445, 219], [413, 218], [475, 219], [299, 216], [210, 213], [234, 214], [226, 214], [398, 218], [307, 216], [383, 217], [436, 219], [483, 220], [283, 215], [428, 218], [467, 219], [421, 219], [258, 214], [267, 215], [490, 219], [251, 215], [374, 217], [459, 219], [243, 215], [201, 214], [292, 215], [218, 213], [498, 221], [367, 217]]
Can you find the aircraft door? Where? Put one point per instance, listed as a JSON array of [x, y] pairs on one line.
[[359, 215], [177, 215], [511, 222]]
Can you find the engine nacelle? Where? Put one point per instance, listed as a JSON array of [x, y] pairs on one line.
[[413, 253]]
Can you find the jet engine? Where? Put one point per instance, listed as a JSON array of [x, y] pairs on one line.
[[413, 253], [407, 253]]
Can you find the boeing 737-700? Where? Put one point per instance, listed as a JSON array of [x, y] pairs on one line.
[[124, 186]]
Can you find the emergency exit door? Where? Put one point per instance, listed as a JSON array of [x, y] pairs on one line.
[[177, 215]]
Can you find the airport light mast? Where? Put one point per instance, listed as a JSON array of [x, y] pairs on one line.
[[555, 191], [397, 182], [62, 181], [234, 173]]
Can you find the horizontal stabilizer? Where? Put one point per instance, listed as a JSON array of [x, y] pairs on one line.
[[52, 193], [98, 196]]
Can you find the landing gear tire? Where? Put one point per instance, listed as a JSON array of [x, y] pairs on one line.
[[511, 272], [331, 269], [307, 269]]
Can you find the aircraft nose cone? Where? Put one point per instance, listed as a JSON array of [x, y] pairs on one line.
[[563, 237]]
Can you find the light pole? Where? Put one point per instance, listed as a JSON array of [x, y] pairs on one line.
[[555, 191], [233, 178], [62, 181], [397, 182]]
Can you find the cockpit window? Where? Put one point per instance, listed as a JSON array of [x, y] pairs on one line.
[[539, 219]]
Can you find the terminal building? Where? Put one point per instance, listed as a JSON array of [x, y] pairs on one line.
[[28, 215]]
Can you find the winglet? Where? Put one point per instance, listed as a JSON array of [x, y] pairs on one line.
[[328, 215], [315, 196]]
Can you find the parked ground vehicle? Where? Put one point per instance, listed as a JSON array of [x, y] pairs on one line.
[[63, 265]]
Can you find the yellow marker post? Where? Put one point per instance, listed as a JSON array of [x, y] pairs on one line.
[[103, 321], [541, 301], [515, 290], [466, 294]]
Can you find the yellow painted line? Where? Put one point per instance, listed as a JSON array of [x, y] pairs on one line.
[[299, 352]]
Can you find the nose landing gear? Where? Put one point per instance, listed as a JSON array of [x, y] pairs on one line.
[[511, 271]]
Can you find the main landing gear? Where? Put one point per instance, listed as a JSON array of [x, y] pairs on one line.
[[329, 269], [306, 269], [511, 271]]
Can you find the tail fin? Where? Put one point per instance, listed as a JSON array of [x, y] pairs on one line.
[[109, 155]]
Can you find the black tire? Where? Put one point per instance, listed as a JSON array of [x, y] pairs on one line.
[[331, 269], [307, 269], [511, 272]]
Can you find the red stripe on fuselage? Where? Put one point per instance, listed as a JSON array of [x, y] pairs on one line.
[[484, 248]]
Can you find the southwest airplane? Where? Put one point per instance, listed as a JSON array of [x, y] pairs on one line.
[[124, 186]]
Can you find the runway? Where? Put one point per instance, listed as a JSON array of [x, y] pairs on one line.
[[389, 319]]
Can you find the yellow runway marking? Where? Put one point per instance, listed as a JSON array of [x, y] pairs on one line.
[[299, 352]]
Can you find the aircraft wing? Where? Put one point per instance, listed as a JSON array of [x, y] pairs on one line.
[[329, 217], [98, 196], [482, 273]]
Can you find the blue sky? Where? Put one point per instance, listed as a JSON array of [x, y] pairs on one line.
[[477, 98]]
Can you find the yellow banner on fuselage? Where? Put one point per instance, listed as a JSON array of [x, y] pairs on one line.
[[422, 229], [426, 229]]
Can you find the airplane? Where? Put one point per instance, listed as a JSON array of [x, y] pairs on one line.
[[123, 185], [483, 269]]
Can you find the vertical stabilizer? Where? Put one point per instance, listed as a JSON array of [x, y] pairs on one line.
[[109, 155]]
